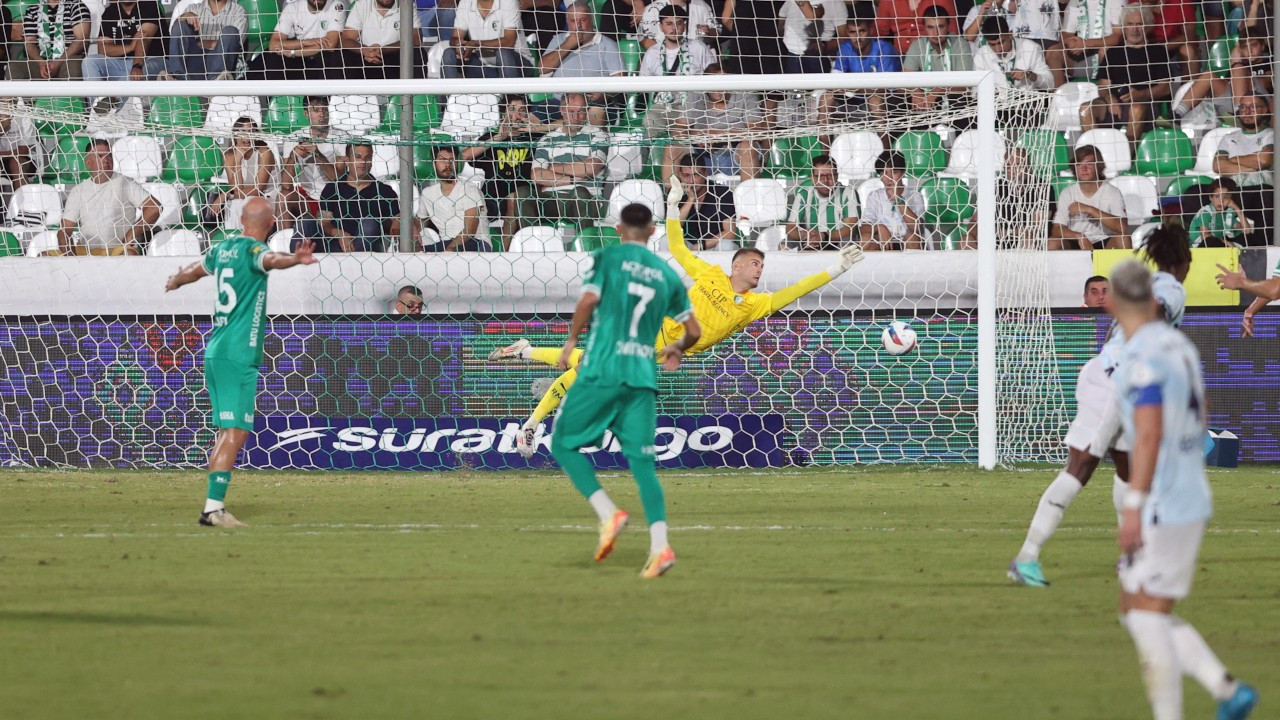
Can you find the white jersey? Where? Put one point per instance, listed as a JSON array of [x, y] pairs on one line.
[[1160, 367], [1171, 296]]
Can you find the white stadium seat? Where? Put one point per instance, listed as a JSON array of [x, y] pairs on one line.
[[771, 238], [1139, 235], [855, 155], [963, 162], [1141, 200], [139, 157], [35, 205], [1114, 146], [42, 242], [537, 239], [170, 199], [1064, 112], [224, 110], [760, 203], [175, 243], [645, 192], [386, 158], [467, 117], [281, 241], [1208, 150], [435, 60], [625, 159], [354, 115]]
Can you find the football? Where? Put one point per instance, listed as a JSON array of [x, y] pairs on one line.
[[898, 338]]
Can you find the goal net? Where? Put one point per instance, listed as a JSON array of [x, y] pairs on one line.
[[456, 219]]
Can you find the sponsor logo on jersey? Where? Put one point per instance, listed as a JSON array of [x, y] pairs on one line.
[[640, 271]]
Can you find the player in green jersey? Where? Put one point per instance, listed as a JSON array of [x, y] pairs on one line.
[[634, 290], [233, 354]]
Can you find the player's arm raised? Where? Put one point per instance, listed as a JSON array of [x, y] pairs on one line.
[[848, 256], [675, 232], [186, 276], [304, 254]]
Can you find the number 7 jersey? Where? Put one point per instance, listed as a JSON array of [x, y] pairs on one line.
[[240, 308], [637, 290]]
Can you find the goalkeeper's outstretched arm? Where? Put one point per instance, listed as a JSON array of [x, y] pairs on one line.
[[848, 257], [692, 264]]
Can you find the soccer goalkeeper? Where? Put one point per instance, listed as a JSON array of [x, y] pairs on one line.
[[723, 303]]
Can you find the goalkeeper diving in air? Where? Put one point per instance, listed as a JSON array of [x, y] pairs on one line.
[[724, 303]]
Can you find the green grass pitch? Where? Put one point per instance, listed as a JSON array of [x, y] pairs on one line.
[[839, 593]]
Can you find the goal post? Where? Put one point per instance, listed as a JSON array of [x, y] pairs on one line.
[[942, 283]]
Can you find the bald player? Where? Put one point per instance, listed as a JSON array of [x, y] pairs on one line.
[[724, 303], [233, 353]]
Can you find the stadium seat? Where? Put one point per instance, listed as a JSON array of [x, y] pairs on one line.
[[1220, 56], [760, 203], [590, 239], [178, 10], [538, 239], [1060, 183], [193, 160], [220, 234], [386, 157], [262, 18], [354, 115], [175, 243], [170, 199], [625, 158], [1140, 233], [1195, 123], [65, 165], [138, 156], [285, 114], [1180, 185], [1141, 200], [923, 152], [645, 192], [10, 245], [792, 157], [1064, 112], [35, 205], [1164, 153], [424, 168], [855, 155], [96, 8], [1208, 151], [771, 238], [953, 239], [866, 187], [224, 110], [1114, 146], [631, 54], [426, 115], [1047, 151], [176, 112], [42, 242], [467, 117], [435, 60], [281, 241], [59, 115], [947, 201], [963, 162]]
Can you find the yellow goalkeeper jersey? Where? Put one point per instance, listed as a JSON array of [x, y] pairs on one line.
[[720, 310]]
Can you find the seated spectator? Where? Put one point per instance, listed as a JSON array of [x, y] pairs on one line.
[[936, 50], [371, 41], [581, 51], [453, 208], [310, 161], [111, 214], [904, 20], [1089, 27], [436, 18], [860, 52], [505, 155], [676, 55], [621, 18], [712, 115], [824, 213], [1246, 156], [304, 45], [488, 41], [1090, 214], [1036, 20], [1133, 80], [358, 213], [701, 22], [810, 33], [56, 35], [20, 148], [891, 219], [206, 41], [1251, 74], [567, 168], [1173, 28], [250, 168], [707, 211], [1095, 291], [408, 301], [1015, 62], [1221, 222], [125, 46]]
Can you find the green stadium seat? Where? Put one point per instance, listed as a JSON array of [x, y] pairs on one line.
[[793, 157], [426, 115], [1220, 55], [59, 115], [633, 114], [192, 160], [1061, 183], [194, 204], [65, 164], [955, 238], [424, 169], [947, 201], [923, 152], [1181, 184], [1164, 153], [10, 245], [176, 112], [1047, 150], [285, 115], [262, 18], [631, 54], [590, 239]]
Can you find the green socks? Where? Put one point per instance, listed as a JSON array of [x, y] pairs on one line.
[[655, 503], [579, 468], [218, 483]]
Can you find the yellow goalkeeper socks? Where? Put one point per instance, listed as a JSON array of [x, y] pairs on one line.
[[552, 398]]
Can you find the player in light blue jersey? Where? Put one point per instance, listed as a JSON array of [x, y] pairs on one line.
[[1167, 504], [1096, 427]]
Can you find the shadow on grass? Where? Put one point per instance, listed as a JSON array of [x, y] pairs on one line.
[[94, 618]]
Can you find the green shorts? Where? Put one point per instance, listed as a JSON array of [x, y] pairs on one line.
[[591, 408], [233, 391]]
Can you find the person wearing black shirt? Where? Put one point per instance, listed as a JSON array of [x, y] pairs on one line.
[[128, 31], [506, 157], [707, 211], [358, 213], [1132, 79]]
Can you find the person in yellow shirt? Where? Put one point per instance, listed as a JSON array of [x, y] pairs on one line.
[[724, 303]]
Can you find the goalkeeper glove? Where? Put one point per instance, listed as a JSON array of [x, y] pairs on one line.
[[674, 196], [849, 256]]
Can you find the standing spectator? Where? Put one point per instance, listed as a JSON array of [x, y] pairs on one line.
[[936, 50], [676, 55], [1246, 156], [753, 27], [310, 161], [408, 301], [701, 22], [250, 167], [581, 51], [711, 116], [860, 52], [1015, 61], [567, 166], [904, 20], [358, 213], [488, 41], [304, 45], [112, 213], [206, 41], [1095, 291], [128, 31], [824, 213], [20, 148], [453, 208], [891, 219], [1089, 27], [810, 33], [1221, 222], [707, 211], [1133, 79], [1091, 214], [371, 41], [1037, 20], [56, 34], [505, 155]]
